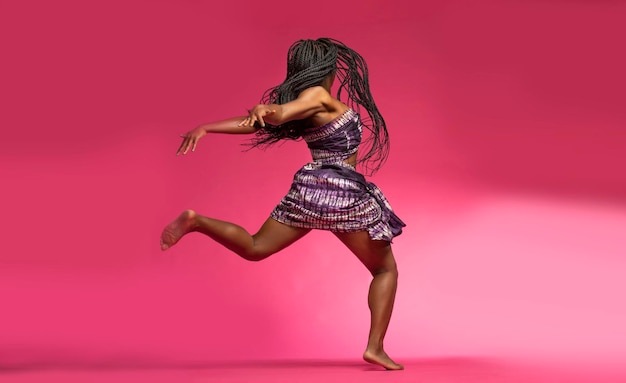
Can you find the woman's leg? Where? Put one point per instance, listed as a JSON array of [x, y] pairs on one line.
[[378, 258], [272, 237]]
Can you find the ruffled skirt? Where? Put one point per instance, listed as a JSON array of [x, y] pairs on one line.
[[336, 197]]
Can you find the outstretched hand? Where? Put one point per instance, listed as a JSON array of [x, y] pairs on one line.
[[256, 115], [190, 140]]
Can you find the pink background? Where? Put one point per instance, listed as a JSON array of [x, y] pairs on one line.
[[507, 122]]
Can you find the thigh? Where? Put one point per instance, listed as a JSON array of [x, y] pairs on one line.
[[374, 254], [274, 236]]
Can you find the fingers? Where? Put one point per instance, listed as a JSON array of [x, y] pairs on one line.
[[183, 145], [256, 115], [188, 142], [249, 121], [265, 112], [245, 122]]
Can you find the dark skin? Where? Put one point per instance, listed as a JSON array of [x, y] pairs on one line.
[[317, 107]]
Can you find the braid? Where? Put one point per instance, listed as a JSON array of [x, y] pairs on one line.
[[309, 62], [353, 77]]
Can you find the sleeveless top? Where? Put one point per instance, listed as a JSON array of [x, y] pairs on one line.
[[330, 194]]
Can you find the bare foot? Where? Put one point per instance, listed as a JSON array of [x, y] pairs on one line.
[[382, 359], [175, 230]]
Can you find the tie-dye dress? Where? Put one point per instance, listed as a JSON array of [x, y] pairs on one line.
[[329, 194]]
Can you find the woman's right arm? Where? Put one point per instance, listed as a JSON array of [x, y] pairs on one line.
[[228, 126]]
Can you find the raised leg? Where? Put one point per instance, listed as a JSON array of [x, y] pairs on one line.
[[272, 237], [378, 258]]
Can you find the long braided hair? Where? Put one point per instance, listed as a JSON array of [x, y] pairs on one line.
[[309, 62]]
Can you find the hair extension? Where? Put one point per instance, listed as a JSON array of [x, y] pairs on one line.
[[309, 62]]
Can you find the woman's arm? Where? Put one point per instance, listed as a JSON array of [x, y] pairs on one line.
[[310, 102], [228, 126]]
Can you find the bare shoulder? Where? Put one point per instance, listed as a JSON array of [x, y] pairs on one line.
[[330, 107], [321, 95], [318, 93]]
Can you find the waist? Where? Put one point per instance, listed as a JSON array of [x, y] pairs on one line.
[[347, 164]]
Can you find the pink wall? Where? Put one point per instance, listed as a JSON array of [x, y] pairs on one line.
[[507, 164]]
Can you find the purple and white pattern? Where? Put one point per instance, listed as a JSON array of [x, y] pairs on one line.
[[330, 194]]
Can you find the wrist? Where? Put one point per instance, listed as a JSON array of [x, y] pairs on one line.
[[206, 128]]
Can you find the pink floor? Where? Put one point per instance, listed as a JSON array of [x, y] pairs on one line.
[[444, 370]]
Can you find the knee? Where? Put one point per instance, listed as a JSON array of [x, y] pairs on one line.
[[254, 254], [254, 257], [389, 268]]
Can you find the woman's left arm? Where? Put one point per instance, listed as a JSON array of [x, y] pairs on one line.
[[310, 102]]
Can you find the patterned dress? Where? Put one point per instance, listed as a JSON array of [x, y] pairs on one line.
[[329, 194]]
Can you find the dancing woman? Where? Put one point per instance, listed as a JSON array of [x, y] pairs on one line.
[[327, 193]]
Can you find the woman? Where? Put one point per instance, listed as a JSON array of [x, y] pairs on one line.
[[327, 193]]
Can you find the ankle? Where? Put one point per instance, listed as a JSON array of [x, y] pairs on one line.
[[374, 345]]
